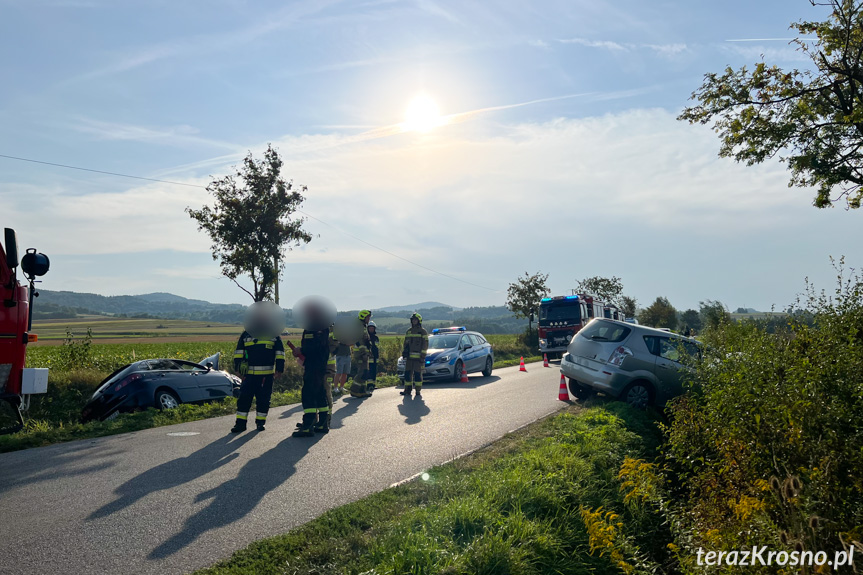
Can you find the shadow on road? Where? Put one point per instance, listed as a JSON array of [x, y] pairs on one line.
[[175, 472], [57, 462], [473, 382], [413, 410], [343, 408], [234, 499]]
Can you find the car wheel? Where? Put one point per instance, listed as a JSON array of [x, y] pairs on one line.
[[456, 376], [489, 364], [639, 394], [166, 399], [578, 391]]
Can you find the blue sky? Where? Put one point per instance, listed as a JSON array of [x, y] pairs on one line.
[[566, 159]]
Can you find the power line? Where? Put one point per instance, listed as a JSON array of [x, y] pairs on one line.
[[300, 211]]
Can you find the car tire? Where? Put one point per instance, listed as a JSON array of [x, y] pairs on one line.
[[638, 394], [456, 376], [578, 391], [489, 365], [166, 399]]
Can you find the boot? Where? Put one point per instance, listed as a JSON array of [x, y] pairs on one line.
[[418, 395], [407, 391], [323, 424], [239, 426], [359, 390], [307, 428], [260, 424], [370, 388]]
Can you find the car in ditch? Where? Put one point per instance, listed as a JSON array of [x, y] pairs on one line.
[[450, 349], [641, 365], [160, 383]]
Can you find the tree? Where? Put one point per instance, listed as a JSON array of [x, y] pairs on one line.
[[250, 222], [659, 314], [523, 296], [608, 290], [628, 306], [692, 319], [812, 120], [713, 313]]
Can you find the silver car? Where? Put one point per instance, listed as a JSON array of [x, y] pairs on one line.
[[450, 349], [634, 363]]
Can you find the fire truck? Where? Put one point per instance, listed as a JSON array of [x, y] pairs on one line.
[[18, 383], [561, 317]]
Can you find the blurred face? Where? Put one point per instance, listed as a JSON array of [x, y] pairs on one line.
[[415, 322]]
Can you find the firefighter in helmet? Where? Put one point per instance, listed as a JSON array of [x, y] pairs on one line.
[[372, 374], [257, 358], [360, 357], [414, 352]]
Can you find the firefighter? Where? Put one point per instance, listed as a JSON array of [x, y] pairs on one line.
[[316, 410], [414, 353], [257, 359], [361, 355], [372, 373]]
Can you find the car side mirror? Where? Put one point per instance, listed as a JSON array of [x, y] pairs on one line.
[[11, 248], [209, 365], [467, 347]]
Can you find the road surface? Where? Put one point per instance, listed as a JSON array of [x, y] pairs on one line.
[[174, 499]]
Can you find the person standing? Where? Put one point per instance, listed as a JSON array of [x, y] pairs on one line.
[[316, 411], [361, 354], [257, 359], [414, 352], [343, 361], [372, 374]]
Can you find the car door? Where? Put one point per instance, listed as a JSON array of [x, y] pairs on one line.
[[669, 365], [168, 374], [476, 358], [210, 384]]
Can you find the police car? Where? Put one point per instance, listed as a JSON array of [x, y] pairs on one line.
[[450, 348]]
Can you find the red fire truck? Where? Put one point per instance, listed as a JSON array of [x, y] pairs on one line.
[[561, 317], [17, 383]]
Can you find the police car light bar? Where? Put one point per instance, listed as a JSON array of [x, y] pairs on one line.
[[447, 329]]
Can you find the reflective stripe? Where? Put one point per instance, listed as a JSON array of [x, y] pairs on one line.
[[323, 410], [260, 417], [241, 415], [280, 354], [331, 361], [260, 367], [415, 335], [415, 355], [310, 410], [269, 371], [309, 336]]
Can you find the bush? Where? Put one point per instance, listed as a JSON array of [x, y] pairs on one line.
[[767, 447]]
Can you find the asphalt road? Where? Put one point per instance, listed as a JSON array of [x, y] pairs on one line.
[[175, 499]]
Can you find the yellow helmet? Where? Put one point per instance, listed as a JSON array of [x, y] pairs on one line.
[[364, 314], [418, 316]]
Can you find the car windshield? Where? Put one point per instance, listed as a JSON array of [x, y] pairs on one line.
[[443, 341]]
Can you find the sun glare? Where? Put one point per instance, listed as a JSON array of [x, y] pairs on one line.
[[422, 115]]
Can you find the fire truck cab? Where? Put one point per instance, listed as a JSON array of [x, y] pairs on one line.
[[17, 383], [560, 318]]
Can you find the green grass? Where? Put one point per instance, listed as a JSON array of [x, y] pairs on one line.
[[511, 508]]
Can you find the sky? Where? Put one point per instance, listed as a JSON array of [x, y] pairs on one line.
[[562, 153]]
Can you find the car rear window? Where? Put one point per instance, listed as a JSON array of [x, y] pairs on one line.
[[605, 331]]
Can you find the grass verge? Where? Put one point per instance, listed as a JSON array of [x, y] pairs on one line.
[[526, 504]]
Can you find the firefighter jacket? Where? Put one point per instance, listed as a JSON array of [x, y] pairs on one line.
[[363, 348], [315, 346], [262, 356], [416, 343], [373, 343]]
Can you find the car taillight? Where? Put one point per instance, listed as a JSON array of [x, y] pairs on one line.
[[126, 381], [618, 355]]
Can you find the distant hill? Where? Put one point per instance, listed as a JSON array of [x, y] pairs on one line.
[[416, 307], [160, 305]]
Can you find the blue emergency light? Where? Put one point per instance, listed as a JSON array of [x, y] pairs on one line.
[[447, 329]]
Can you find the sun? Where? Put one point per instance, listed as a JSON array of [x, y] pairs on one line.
[[422, 115]]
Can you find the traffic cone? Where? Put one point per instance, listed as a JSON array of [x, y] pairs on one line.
[[563, 394], [521, 367], [464, 378], [545, 360]]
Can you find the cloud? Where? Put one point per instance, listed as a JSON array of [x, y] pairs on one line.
[[613, 46], [664, 50], [180, 136]]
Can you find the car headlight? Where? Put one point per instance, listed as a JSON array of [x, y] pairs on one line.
[[543, 341], [442, 359]]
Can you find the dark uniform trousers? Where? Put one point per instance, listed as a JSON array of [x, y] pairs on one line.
[[316, 407]]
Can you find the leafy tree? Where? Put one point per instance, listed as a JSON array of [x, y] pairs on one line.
[[814, 118], [659, 314], [250, 222], [608, 290], [523, 296], [628, 306], [713, 313], [692, 319]]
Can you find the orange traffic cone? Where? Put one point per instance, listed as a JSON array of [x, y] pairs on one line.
[[563, 394], [545, 360], [521, 367], [464, 378]]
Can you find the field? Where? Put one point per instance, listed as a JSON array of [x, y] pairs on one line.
[[119, 330]]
